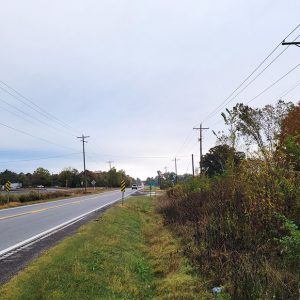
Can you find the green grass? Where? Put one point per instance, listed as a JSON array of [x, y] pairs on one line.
[[126, 254]]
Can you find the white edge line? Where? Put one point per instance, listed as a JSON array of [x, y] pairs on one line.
[[18, 245]]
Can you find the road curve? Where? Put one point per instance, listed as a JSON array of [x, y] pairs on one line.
[[22, 224]]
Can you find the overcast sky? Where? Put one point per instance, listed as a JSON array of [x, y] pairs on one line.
[[135, 76]]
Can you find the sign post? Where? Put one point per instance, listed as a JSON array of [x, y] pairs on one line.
[[8, 189], [123, 187], [93, 183]]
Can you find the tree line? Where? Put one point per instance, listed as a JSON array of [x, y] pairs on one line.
[[68, 177]]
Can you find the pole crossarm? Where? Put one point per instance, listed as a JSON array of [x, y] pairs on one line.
[[284, 43]]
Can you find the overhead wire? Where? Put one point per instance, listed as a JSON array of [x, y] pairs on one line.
[[232, 94], [188, 166], [34, 106], [290, 89], [34, 136], [250, 82], [29, 115], [40, 158], [274, 83], [286, 92], [248, 77], [39, 110], [186, 141], [231, 97]]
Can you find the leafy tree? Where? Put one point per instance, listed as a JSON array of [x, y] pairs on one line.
[[41, 176], [69, 177], [260, 126], [8, 176], [216, 160], [25, 179], [290, 137]]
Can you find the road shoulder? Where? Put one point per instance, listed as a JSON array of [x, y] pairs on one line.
[[127, 253]]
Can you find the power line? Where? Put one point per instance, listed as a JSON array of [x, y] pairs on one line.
[[274, 83], [249, 76], [96, 161], [270, 86], [28, 115], [40, 158], [249, 83], [33, 136], [137, 157], [290, 89], [34, 106], [186, 141], [286, 92]]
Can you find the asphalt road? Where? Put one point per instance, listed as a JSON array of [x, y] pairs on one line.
[[24, 223]]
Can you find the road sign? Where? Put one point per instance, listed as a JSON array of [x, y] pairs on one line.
[[123, 185], [93, 183], [8, 186], [152, 183]]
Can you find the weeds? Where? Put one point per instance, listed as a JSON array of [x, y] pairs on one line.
[[232, 232]]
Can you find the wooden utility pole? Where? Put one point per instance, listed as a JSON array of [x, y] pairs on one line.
[[83, 152], [176, 168], [200, 141], [193, 165], [109, 162]]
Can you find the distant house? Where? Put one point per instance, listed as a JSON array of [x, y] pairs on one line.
[[16, 185]]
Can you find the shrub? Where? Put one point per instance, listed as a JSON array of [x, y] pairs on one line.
[[32, 196], [3, 199], [231, 230]]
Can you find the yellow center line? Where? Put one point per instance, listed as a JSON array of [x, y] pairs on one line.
[[39, 210]]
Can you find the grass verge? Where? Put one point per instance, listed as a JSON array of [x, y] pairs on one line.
[[125, 254]]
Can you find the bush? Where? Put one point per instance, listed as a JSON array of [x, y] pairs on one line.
[[231, 230], [32, 196], [3, 199], [35, 196], [12, 198]]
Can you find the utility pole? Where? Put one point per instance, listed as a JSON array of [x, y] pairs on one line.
[[175, 168], [83, 137], [109, 162], [200, 140], [193, 165]]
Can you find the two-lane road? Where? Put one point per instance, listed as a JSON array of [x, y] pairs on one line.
[[22, 224]]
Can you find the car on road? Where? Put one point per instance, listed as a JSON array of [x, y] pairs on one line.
[[134, 187]]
